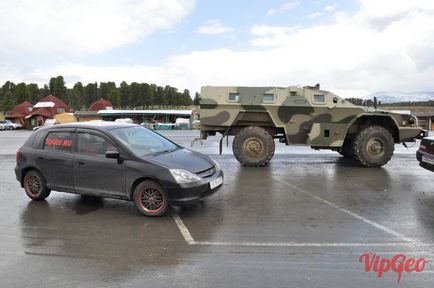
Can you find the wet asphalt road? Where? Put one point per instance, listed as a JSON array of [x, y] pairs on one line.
[[303, 221]]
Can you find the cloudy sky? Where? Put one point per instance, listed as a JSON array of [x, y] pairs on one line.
[[353, 48]]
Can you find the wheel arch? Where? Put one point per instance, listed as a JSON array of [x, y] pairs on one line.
[[140, 180], [261, 119], [25, 171], [385, 121]]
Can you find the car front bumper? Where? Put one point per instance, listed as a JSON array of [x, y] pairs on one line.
[[192, 193], [429, 157]]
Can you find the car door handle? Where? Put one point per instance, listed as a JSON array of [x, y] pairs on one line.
[[41, 158], [80, 163]]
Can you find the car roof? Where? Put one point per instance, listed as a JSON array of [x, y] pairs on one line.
[[106, 125]]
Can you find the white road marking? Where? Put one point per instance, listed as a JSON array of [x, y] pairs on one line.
[[183, 229], [408, 241], [190, 241], [348, 212], [306, 244]]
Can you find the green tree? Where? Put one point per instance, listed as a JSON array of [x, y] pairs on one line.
[[160, 97], [45, 91], [186, 98], [90, 94], [8, 101], [8, 86], [355, 101], [114, 96], [78, 95], [20, 93], [196, 100], [34, 93], [57, 87], [74, 99], [105, 88], [124, 93], [148, 95], [134, 95]]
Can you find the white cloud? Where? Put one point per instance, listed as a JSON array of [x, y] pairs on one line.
[[326, 10], [270, 35], [214, 27], [315, 15], [288, 6], [330, 8], [42, 27]]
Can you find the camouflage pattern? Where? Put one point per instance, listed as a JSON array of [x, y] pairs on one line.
[[297, 115]]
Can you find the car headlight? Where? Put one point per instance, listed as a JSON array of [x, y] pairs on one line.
[[217, 165], [184, 176]]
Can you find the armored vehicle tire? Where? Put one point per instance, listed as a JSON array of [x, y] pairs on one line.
[[347, 149], [150, 199], [35, 186], [253, 146], [373, 146]]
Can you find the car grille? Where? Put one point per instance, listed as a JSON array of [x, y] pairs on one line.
[[207, 173]]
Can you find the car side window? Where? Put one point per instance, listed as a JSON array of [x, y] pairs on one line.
[[90, 144], [58, 141]]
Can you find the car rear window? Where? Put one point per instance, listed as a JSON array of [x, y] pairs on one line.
[[58, 141]]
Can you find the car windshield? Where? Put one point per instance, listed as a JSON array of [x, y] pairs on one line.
[[143, 142]]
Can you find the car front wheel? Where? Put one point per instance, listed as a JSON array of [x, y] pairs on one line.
[[150, 199]]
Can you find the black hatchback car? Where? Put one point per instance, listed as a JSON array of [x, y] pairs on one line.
[[116, 160]]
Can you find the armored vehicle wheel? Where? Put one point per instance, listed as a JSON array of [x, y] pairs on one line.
[[347, 149], [373, 146], [253, 146], [35, 186]]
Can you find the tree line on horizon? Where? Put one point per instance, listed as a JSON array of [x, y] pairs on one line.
[[79, 97], [370, 103]]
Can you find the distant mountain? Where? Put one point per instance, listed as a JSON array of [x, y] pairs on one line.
[[395, 96]]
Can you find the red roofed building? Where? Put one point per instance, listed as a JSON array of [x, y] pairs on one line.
[[100, 104], [92, 112], [45, 109], [19, 113]]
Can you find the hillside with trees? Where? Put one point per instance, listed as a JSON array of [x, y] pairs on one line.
[[125, 96]]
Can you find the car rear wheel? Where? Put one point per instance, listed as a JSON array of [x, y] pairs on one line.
[[150, 199], [35, 186]]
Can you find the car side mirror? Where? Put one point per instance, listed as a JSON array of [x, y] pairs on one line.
[[112, 154]]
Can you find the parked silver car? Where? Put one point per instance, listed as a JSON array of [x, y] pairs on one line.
[[9, 125]]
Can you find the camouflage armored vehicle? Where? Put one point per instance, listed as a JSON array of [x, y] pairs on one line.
[[301, 116]]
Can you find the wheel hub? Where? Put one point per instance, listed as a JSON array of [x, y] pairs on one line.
[[151, 199], [375, 147], [253, 147], [34, 185]]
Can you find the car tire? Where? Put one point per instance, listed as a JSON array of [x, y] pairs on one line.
[[253, 146], [150, 199], [373, 146], [35, 186]]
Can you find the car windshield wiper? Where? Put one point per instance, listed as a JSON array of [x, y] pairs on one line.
[[164, 151]]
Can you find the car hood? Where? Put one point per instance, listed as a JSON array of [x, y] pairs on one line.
[[183, 159]]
